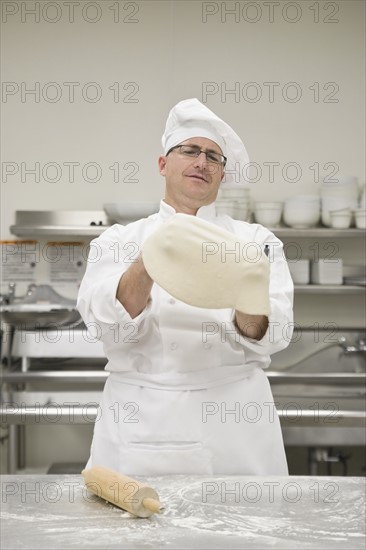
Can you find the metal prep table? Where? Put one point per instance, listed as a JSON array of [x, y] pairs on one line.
[[58, 512]]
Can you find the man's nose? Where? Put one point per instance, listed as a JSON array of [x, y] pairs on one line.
[[201, 160]]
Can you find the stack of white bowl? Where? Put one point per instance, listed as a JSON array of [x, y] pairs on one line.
[[234, 201], [302, 211], [267, 213], [340, 195]]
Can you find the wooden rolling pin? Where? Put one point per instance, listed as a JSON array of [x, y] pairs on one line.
[[126, 493]]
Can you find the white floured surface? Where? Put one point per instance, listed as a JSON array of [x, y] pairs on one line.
[[227, 512]]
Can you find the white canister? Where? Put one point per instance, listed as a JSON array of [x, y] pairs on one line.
[[300, 271], [327, 271]]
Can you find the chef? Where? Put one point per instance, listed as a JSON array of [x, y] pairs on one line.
[[190, 305]]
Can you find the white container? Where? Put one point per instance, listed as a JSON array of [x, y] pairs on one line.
[[268, 214], [330, 204], [300, 271], [226, 206], [234, 192], [360, 218], [340, 219], [327, 271], [302, 211]]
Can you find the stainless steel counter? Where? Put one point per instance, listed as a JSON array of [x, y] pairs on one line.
[[200, 512]]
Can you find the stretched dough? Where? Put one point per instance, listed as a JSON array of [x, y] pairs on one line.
[[206, 266]]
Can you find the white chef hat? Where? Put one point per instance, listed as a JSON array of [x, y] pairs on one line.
[[190, 118]]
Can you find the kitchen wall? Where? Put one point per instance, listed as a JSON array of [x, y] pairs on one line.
[[87, 87]]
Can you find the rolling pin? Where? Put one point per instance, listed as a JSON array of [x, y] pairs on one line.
[[126, 493]]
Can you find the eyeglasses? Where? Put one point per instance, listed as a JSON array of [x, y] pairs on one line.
[[194, 151]]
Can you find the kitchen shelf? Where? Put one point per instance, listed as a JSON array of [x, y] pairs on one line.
[[99, 377], [318, 232], [329, 289], [57, 231], [96, 230]]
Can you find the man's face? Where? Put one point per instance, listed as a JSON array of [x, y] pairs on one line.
[[191, 182]]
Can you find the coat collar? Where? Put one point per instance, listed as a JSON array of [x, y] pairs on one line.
[[207, 212]]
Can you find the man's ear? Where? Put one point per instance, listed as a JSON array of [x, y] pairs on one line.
[[162, 163]]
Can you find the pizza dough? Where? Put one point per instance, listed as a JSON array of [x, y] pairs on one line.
[[206, 266]]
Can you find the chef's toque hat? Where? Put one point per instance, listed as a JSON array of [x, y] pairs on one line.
[[190, 118]]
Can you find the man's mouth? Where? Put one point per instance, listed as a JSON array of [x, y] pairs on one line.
[[198, 176]]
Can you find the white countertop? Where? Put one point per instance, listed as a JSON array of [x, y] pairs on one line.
[[53, 511]]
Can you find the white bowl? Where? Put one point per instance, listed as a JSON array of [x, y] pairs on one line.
[[302, 212], [226, 206], [234, 192], [301, 199], [340, 219], [129, 211], [261, 205], [335, 203], [269, 217], [360, 218]]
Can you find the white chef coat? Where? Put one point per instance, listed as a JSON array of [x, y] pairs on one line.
[[186, 393]]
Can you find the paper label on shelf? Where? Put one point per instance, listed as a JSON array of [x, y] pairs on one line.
[[66, 261], [19, 260]]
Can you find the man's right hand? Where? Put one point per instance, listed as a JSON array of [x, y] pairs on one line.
[[134, 288]]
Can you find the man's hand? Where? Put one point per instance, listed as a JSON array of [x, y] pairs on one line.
[[134, 288], [251, 326]]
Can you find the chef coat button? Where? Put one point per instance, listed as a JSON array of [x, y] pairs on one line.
[[207, 346], [171, 301], [173, 346]]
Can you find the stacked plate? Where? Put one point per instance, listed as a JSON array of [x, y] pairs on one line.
[[339, 195], [234, 201]]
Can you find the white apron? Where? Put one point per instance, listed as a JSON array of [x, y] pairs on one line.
[[230, 429]]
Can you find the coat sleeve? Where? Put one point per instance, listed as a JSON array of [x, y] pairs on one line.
[[281, 290], [109, 257]]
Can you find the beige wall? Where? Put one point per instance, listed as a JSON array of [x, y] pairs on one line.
[[157, 53]]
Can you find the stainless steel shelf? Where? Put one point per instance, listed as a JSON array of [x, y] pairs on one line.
[[91, 377], [329, 289], [88, 414], [274, 376], [33, 230], [57, 231], [317, 378], [318, 232]]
